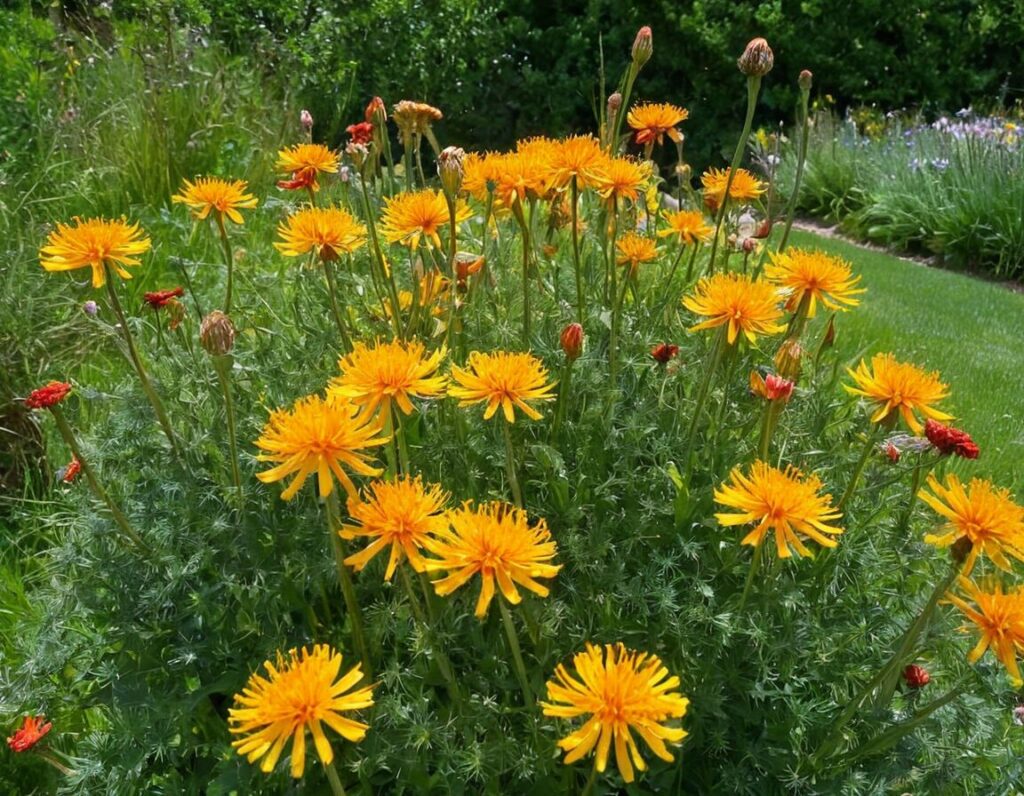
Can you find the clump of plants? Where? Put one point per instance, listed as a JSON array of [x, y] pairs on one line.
[[522, 471]]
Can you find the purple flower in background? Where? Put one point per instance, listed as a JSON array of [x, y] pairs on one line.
[[90, 308]]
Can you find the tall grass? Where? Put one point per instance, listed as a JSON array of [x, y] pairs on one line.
[[952, 190]]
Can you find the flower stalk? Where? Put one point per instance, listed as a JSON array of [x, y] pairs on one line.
[[714, 360], [517, 654], [803, 123], [510, 465], [348, 591]]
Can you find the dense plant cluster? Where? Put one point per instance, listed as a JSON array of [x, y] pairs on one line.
[[540, 475], [953, 187]]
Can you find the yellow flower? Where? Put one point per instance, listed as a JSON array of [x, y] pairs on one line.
[[496, 542], [745, 186], [899, 387], [94, 243], [502, 379], [687, 225], [983, 514], [211, 193], [621, 691], [745, 305], [621, 178], [300, 692], [651, 121], [999, 616], [579, 156], [408, 217], [304, 162], [635, 249], [403, 514], [479, 171], [329, 230], [521, 175], [374, 376], [816, 276], [319, 436], [786, 502]]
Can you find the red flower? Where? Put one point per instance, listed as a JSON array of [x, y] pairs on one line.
[[916, 676], [572, 341], [71, 471], [361, 133], [376, 106], [663, 352], [890, 450], [158, 299], [45, 397], [771, 387], [29, 734], [949, 440]]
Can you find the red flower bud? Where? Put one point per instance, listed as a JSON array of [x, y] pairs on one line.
[[50, 395], [375, 108], [71, 471], [306, 118], [572, 341], [643, 46], [916, 676], [664, 352], [949, 440], [890, 450]]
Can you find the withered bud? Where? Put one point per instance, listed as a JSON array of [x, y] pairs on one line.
[[217, 334], [572, 341], [829, 338], [684, 172], [805, 79], [788, 360], [614, 103], [175, 313], [359, 154], [757, 60], [643, 46], [306, 118], [450, 170]]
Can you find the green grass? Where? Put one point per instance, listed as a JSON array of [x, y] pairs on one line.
[[967, 329]]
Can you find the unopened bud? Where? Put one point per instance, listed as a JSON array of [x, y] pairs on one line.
[[90, 308], [175, 313], [788, 360], [748, 245], [572, 341], [307, 119], [757, 59], [916, 676], [450, 170], [804, 81], [643, 46], [829, 338], [217, 334], [614, 103], [376, 113]]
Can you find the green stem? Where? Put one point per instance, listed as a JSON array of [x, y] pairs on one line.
[[403, 449], [563, 390], [442, 659], [613, 145], [94, 482], [510, 465], [518, 211], [769, 420], [580, 300], [339, 319], [801, 160], [920, 470], [753, 87], [858, 471], [755, 565], [613, 340], [717, 351], [517, 654], [347, 589], [588, 788], [337, 789], [222, 366], [133, 354], [229, 259], [385, 273]]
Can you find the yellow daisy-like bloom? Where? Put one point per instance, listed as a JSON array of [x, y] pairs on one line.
[[689, 226], [635, 249], [521, 175], [784, 501], [738, 302], [652, 121], [300, 692], [983, 514], [374, 376], [579, 156], [622, 691], [479, 171], [319, 436], [224, 198], [329, 230], [621, 178], [402, 514], [899, 387], [998, 616], [94, 243], [408, 217], [816, 276], [502, 379], [305, 162], [496, 542], [745, 186]]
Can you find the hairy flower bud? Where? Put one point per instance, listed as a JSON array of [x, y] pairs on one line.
[[572, 341], [450, 170], [614, 103], [376, 113], [757, 59], [217, 334], [90, 308], [643, 47], [306, 118], [916, 676], [788, 360], [805, 79]]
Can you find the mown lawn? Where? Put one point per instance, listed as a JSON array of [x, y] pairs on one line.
[[970, 330]]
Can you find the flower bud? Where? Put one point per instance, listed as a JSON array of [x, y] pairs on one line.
[[217, 334], [663, 353], [175, 313], [614, 103], [788, 360], [829, 338], [572, 341], [90, 308], [643, 47], [307, 120], [805, 79], [757, 59], [450, 170], [376, 113], [916, 676]]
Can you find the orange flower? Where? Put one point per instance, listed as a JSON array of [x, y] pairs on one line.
[[745, 186], [94, 243], [580, 156], [30, 733], [816, 276], [652, 121], [409, 217], [899, 387], [635, 249], [212, 194], [502, 379], [621, 178], [736, 301], [689, 226], [998, 615], [304, 162]]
